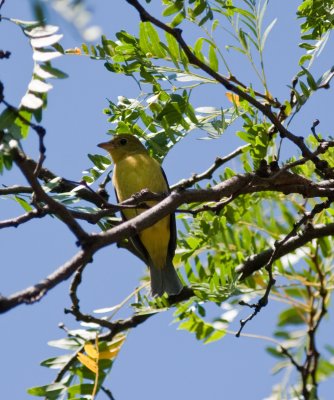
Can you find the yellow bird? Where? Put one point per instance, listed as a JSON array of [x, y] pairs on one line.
[[134, 171]]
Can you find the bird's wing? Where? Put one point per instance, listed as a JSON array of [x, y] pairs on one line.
[[173, 238], [139, 248], [138, 245]]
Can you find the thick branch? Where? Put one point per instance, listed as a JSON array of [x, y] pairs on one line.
[[15, 189], [240, 184]]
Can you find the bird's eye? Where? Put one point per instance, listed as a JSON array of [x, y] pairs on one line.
[[123, 142]]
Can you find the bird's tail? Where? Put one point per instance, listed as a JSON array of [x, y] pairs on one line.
[[165, 280]]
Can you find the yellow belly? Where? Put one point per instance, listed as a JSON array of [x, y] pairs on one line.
[[131, 175]]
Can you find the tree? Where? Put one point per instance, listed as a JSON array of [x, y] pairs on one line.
[[255, 225]]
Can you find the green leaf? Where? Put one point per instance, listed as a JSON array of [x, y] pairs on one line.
[[243, 39], [177, 19], [51, 391], [291, 316], [23, 203], [54, 72], [173, 48], [85, 48], [213, 58], [217, 335], [273, 351], [7, 118], [86, 388], [23, 123], [307, 46], [126, 37], [198, 48], [149, 40], [7, 161], [198, 10], [143, 39], [173, 8], [305, 89], [93, 51]]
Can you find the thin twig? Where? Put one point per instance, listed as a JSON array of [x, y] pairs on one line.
[[75, 308], [15, 189], [15, 222], [219, 161], [54, 206], [269, 266]]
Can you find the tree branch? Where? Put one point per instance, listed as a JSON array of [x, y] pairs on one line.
[[55, 207], [15, 222], [258, 261], [34, 293], [264, 108], [241, 184], [219, 161], [15, 189]]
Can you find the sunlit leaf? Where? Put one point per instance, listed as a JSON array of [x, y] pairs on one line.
[[41, 31], [47, 390], [233, 98], [45, 41], [31, 101], [57, 362], [39, 86], [91, 351], [66, 343], [45, 55], [266, 33]]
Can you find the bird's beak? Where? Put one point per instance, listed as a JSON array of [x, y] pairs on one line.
[[105, 145]]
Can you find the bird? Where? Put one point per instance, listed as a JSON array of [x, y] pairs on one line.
[[134, 171]]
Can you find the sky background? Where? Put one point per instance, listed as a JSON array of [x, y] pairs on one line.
[[157, 361]]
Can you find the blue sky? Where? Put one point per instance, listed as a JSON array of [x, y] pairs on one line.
[[157, 361]]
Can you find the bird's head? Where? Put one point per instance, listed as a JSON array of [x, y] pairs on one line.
[[123, 145]]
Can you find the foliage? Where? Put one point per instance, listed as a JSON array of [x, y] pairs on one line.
[[219, 237]]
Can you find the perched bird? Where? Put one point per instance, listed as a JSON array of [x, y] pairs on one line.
[[134, 171]]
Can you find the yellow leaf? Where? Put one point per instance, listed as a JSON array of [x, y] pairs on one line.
[[76, 51], [88, 362], [108, 355], [91, 351], [233, 98], [260, 280]]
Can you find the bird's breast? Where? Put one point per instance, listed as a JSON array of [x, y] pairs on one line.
[[137, 172]]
